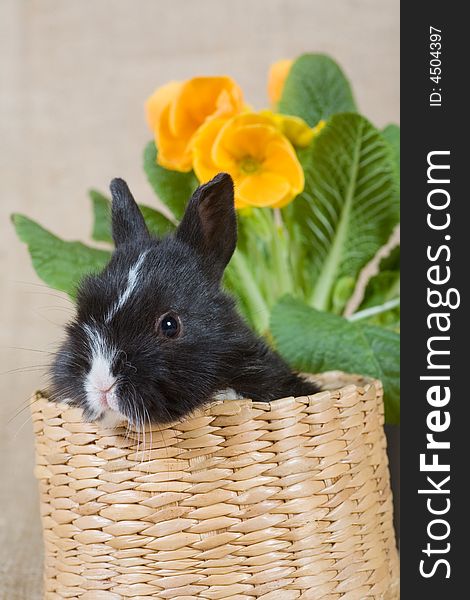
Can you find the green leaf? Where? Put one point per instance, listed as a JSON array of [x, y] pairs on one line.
[[383, 287], [157, 223], [391, 133], [392, 261], [386, 284], [58, 263], [315, 341], [315, 89], [172, 187], [349, 206], [385, 349]]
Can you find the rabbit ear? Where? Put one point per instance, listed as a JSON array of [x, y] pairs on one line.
[[127, 220], [210, 224]]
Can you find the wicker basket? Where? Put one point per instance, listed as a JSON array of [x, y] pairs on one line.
[[283, 500]]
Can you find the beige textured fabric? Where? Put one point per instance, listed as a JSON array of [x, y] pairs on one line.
[[288, 499], [73, 77]]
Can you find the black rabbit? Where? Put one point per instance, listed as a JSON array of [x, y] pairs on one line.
[[155, 336]]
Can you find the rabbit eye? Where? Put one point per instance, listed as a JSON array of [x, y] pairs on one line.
[[169, 325]]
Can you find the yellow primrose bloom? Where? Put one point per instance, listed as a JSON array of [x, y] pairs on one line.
[[176, 111], [260, 159], [277, 76]]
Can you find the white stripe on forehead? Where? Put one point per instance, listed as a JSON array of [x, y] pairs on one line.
[[132, 281], [97, 344]]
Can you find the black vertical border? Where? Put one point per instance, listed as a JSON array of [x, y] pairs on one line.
[[425, 129]]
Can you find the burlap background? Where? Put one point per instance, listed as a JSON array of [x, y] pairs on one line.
[[74, 75]]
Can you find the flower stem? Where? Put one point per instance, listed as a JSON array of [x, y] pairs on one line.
[[280, 253], [374, 310], [258, 309]]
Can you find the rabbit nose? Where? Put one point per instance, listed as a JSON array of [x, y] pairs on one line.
[[108, 397], [104, 389]]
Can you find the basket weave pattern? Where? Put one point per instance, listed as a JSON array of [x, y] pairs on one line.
[[283, 500]]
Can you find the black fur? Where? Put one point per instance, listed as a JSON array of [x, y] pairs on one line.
[[128, 222], [182, 273]]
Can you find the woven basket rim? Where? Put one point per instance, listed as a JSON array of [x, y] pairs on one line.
[[352, 382]]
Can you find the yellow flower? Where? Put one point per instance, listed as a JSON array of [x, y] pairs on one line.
[[260, 159], [177, 110], [277, 76]]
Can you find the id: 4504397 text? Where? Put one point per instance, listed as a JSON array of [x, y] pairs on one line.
[[435, 66]]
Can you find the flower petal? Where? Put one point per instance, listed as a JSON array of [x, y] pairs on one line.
[[159, 100], [173, 152], [282, 159], [203, 143], [294, 128], [203, 97], [242, 136], [277, 76], [261, 189]]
